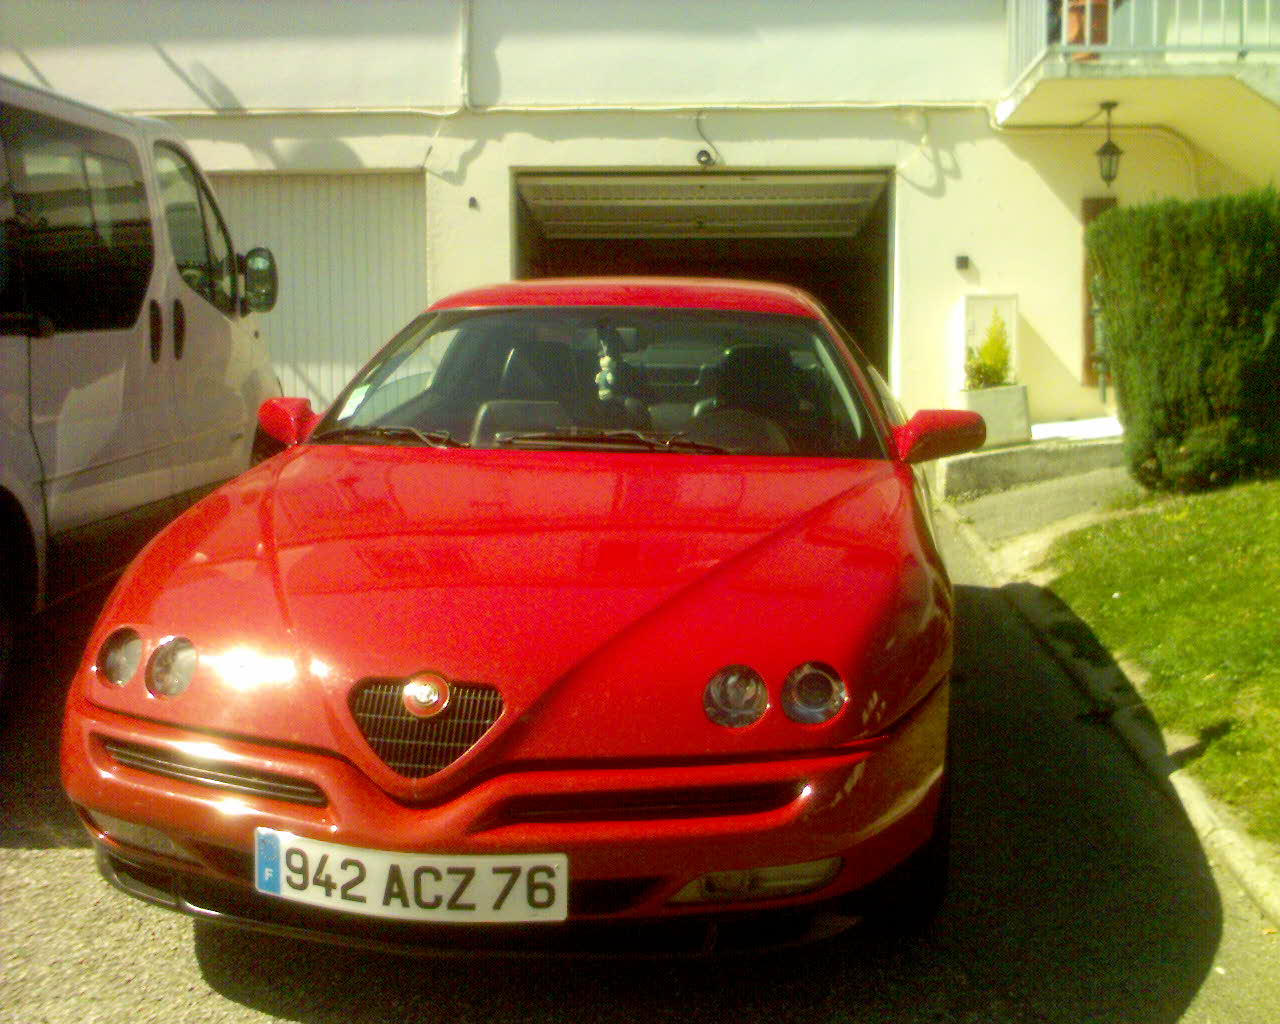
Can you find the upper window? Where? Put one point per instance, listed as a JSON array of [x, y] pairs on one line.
[[616, 379], [199, 240], [75, 240]]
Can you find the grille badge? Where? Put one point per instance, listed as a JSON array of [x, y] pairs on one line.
[[425, 695]]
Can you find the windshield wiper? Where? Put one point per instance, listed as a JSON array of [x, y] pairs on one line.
[[620, 440], [392, 435]]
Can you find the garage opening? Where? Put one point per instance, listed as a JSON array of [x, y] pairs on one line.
[[825, 232]]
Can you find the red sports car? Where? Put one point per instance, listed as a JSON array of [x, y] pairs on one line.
[[588, 601]]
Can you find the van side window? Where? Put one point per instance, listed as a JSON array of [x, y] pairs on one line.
[[206, 261], [79, 235]]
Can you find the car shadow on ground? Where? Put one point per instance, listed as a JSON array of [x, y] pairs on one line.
[[34, 812], [1079, 892]]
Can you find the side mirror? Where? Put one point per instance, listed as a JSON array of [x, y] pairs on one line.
[[261, 280], [935, 433], [287, 420]]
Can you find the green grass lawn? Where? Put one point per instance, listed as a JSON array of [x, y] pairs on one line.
[[1189, 588]]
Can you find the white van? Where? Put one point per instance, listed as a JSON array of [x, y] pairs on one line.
[[131, 370]]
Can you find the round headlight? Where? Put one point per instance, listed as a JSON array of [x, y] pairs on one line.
[[735, 696], [119, 657], [813, 693], [171, 667]]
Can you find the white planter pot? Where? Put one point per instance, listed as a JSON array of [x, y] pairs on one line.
[[1005, 410]]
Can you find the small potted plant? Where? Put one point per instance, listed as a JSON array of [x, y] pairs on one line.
[[990, 389]]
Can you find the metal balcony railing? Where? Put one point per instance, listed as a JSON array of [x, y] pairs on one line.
[[1137, 29]]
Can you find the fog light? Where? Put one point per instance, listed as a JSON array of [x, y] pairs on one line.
[[171, 667], [813, 693], [759, 883], [130, 833], [119, 657], [736, 696]]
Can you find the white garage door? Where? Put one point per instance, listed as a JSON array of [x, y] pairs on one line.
[[353, 266]]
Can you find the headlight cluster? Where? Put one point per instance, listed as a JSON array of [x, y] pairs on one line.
[[737, 696], [813, 693], [120, 656], [171, 667], [169, 670]]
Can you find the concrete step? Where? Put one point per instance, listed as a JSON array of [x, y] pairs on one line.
[[985, 471]]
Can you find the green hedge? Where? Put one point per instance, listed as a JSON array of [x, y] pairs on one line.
[[1190, 298]]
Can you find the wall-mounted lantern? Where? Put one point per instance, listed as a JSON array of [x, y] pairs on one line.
[[1109, 153]]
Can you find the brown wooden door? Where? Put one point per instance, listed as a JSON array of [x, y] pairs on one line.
[[1091, 210]]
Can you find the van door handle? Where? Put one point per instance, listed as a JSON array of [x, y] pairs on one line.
[[179, 329], [157, 331]]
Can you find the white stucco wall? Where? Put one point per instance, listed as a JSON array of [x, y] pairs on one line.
[[761, 51], [342, 54], [233, 54]]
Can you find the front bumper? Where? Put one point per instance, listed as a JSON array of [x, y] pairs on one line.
[[634, 836]]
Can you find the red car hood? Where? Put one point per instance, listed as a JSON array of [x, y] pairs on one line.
[[513, 567], [573, 581]]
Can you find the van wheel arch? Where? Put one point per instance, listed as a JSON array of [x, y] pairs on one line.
[[19, 586]]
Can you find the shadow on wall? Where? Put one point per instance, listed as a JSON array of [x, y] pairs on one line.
[[331, 154], [1053, 389]]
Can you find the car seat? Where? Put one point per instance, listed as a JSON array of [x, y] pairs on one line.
[[756, 401]]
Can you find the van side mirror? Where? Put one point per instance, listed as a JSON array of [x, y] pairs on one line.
[[261, 280], [287, 420], [936, 433]]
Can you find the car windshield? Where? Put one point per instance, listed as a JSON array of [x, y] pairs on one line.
[[614, 379]]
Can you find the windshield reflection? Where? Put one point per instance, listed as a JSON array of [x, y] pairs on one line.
[[613, 379]]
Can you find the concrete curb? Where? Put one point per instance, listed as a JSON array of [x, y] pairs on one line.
[[985, 471], [1235, 849], [1116, 701]]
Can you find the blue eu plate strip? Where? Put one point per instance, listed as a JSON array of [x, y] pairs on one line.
[[268, 860]]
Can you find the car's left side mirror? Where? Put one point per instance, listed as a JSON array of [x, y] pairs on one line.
[[287, 420], [936, 433]]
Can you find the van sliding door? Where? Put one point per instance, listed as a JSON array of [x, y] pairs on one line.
[[98, 394]]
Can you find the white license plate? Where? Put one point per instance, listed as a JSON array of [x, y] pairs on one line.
[[412, 886]]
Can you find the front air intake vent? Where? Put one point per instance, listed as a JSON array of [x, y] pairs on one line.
[[417, 747], [224, 775], [648, 805]]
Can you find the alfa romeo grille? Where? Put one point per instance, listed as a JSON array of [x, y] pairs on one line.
[[418, 747]]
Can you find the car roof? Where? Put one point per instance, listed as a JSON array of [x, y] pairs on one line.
[[15, 90], [656, 292], [20, 90]]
